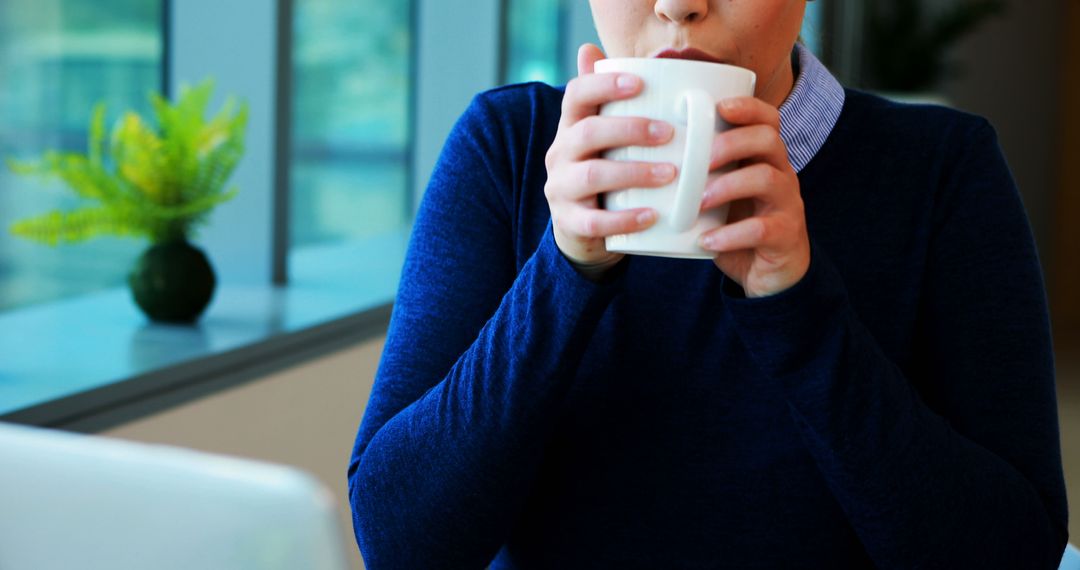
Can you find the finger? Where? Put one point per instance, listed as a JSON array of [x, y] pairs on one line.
[[592, 135], [585, 94], [596, 223], [587, 56], [755, 142], [591, 177], [744, 234], [758, 181], [749, 111]]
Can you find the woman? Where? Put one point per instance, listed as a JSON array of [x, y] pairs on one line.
[[862, 378]]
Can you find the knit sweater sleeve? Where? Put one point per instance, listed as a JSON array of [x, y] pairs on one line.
[[477, 360], [975, 482]]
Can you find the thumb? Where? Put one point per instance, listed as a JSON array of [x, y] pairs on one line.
[[587, 56]]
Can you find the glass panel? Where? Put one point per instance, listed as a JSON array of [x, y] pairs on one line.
[[64, 56], [534, 32], [351, 125], [813, 27]]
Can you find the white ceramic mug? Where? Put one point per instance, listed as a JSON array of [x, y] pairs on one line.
[[683, 93]]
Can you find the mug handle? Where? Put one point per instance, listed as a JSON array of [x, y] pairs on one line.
[[700, 112]]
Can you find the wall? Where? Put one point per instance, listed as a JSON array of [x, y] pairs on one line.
[[1012, 69], [304, 416]]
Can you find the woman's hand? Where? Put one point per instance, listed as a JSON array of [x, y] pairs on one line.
[[577, 174], [764, 246]]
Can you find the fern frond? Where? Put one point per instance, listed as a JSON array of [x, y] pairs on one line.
[[189, 209], [137, 152], [227, 124], [73, 226], [85, 178], [181, 125], [205, 205], [194, 100], [77, 171], [216, 167], [28, 168]]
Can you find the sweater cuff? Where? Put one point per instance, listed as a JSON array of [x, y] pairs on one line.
[[782, 331], [552, 258]]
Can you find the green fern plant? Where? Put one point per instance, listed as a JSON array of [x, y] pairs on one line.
[[154, 181]]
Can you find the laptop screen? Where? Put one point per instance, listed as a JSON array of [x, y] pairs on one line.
[[76, 501]]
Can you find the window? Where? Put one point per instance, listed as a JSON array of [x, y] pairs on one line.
[[65, 56], [534, 33], [351, 141]]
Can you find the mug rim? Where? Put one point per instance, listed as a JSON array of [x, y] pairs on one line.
[[690, 63]]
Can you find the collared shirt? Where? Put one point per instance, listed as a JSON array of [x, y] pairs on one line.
[[810, 112]]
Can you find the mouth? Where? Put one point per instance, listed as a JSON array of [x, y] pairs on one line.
[[690, 53]]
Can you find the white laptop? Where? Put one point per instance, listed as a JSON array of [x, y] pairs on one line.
[[76, 501]]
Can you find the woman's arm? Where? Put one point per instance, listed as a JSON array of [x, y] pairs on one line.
[[476, 363], [977, 481], [478, 359]]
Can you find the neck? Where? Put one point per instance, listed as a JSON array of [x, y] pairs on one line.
[[779, 86]]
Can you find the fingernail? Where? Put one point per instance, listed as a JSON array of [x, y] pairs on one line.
[[627, 82], [645, 217], [707, 241], [663, 171], [728, 103], [659, 130], [706, 197]]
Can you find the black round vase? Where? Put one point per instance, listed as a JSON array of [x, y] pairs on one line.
[[172, 282]]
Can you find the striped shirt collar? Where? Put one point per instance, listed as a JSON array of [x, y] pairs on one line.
[[810, 112]]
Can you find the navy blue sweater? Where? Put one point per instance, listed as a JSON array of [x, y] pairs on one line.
[[893, 409]]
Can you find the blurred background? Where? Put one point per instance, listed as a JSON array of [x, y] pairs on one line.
[[360, 96]]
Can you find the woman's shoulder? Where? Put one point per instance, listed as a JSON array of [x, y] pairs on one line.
[[511, 118], [532, 101], [871, 116]]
